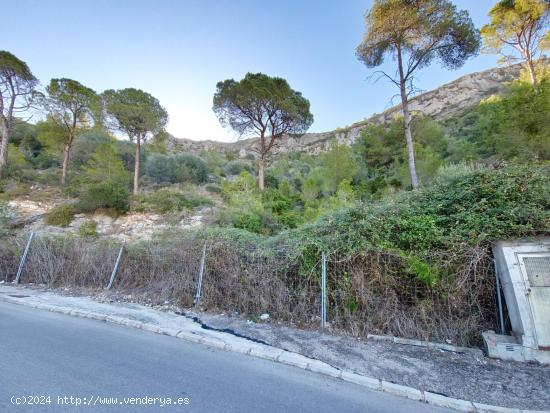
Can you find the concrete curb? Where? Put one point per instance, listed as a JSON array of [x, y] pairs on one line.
[[265, 352]]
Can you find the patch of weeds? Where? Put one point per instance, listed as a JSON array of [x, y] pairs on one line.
[[61, 215], [88, 229]]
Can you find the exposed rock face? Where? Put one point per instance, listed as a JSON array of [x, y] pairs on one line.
[[446, 101], [130, 227]]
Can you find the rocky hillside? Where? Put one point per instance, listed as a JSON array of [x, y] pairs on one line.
[[446, 101]]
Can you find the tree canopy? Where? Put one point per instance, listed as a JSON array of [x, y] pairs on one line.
[[264, 106], [416, 33], [105, 165], [134, 112], [15, 69], [423, 30], [70, 105], [137, 114], [17, 84], [69, 102], [518, 26]]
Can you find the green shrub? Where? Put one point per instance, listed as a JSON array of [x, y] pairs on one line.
[[512, 126], [86, 145], [160, 167], [106, 165], [88, 229], [51, 177], [414, 233], [289, 219], [182, 168], [213, 189], [236, 167], [336, 165], [425, 272], [61, 215], [470, 209], [166, 200], [191, 169], [17, 164], [247, 221], [45, 160], [109, 195], [3, 220], [12, 188]]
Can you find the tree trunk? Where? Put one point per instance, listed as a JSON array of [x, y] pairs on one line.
[[532, 73], [4, 149], [261, 172], [66, 151], [137, 165], [407, 120], [410, 144]]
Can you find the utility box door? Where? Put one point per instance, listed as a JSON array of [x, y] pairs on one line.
[[535, 269]]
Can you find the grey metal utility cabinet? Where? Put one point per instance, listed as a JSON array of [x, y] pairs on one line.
[[524, 271]]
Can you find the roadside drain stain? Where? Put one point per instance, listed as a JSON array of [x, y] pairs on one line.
[[234, 333], [221, 330]]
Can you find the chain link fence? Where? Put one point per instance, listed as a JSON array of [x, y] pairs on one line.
[[368, 293]]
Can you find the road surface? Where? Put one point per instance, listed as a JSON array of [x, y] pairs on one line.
[[67, 364]]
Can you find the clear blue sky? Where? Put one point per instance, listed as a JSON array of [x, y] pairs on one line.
[[178, 49]]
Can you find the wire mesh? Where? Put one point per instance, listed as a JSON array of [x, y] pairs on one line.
[[369, 292]]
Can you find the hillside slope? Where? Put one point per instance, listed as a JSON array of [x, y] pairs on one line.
[[449, 100]]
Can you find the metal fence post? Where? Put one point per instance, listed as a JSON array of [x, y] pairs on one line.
[[201, 274], [499, 300], [23, 258], [115, 268], [324, 290]]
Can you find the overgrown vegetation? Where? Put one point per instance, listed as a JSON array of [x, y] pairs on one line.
[[175, 169], [3, 220], [165, 200], [299, 187], [417, 265], [411, 263], [61, 215], [88, 228]]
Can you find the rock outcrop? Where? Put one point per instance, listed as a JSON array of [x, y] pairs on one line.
[[449, 100]]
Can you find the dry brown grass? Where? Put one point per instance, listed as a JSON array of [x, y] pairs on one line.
[[367, 293]]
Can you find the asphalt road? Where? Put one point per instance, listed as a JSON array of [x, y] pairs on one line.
[[45, 354]]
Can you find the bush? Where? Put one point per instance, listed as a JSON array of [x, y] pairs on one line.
[[166, 200], [88, 229], [160, 167], [45, 160], [3, 220], [61, 215], [236, 167], [17, 163], [112, 195], [11, 188], [247, 221], [471, 209], [513, 125], [191, 169], [181, 168], [213, 189], [106, 165], [85, 145], [338, 164]]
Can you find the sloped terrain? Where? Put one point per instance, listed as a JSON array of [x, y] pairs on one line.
[[451, 99]]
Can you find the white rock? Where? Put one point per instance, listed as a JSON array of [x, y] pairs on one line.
[[264, 316]]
